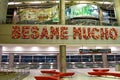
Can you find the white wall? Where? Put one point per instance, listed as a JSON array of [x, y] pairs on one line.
[[51, 49]]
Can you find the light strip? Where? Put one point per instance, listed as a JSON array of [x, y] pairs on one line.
[[14, 3], [35, 2], [105, 2]]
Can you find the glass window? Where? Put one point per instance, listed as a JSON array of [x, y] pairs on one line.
[[16, 58], [98, 58], [67, 59], [110, 58], [98, 65], [117, 57], [38, 58], [51, 58], [26, 58], [75, 58], [5, 58], [87, 58], [111, 64]]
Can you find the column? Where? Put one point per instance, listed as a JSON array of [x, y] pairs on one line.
[[117, 67], [11, 61], [117, 10], [62, 12], [3, 11], [105, 63], [101, 17], [0, 56], [62, 63], [62, 48], [58, 61]]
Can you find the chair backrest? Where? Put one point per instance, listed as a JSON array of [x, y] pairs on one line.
[[45, 78]]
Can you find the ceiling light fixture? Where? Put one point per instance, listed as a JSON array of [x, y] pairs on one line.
[[14, 3], [34, 2]]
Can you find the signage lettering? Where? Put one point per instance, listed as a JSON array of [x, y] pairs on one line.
[[95, 51], [87, 33], [95, 33], [27, 32]]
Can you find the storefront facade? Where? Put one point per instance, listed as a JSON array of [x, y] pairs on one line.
[[37, 46], [48, 46]]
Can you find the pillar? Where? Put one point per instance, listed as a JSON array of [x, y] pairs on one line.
[[101, 17], [62, 12], [117, 67], [58, 61], [105, 63], [117, 10], [62, 63], [62, 48], [11, 61], [0, 57], [3, 10]]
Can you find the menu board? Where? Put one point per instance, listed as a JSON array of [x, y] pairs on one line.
[[95, 50]]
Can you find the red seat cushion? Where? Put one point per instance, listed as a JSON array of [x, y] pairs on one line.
[[46, 78]]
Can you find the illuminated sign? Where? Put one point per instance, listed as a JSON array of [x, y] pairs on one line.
[[82, 10], [79, 10], [57, 32], [38, 15], [95, 50]]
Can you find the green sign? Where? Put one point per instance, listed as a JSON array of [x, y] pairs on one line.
[[82, 10]]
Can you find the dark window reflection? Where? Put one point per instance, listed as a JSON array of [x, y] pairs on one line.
[[117, 57], [75, 58], [5, 58], [98, 58], [26, 58], [110, 58], [87, 58], [51, 58], [38, 58], [16, 58]]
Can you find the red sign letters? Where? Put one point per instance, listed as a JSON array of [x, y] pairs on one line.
[[36, 32]]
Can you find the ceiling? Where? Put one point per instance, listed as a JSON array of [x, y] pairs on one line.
[[105, 4], [58, 0]]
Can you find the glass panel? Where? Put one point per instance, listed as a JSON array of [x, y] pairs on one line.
[[98, 65], [5, 66], [87, 58], [117, 57], [111, 64], [38, 58], [98, 58], [67, 59], [84, 65], [51, 59], [110, 58], [45, 66], [33, 66], [79, 65], [5, 58], [16, 58], [69, 66], [75, 58], [26, 58]]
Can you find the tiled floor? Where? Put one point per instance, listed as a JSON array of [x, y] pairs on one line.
[[80, 74]]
